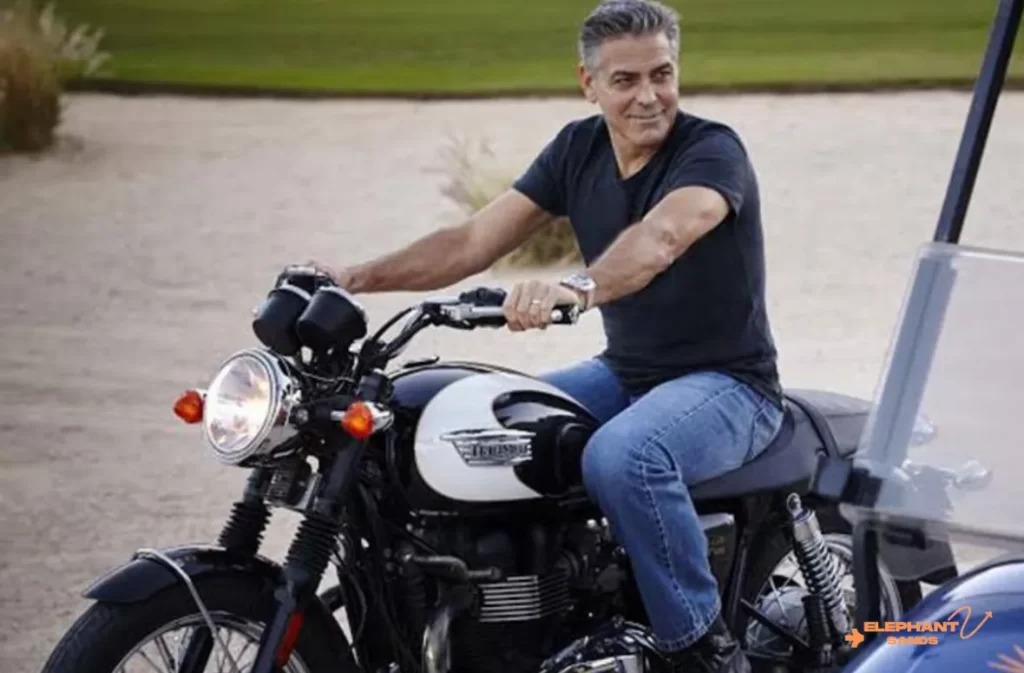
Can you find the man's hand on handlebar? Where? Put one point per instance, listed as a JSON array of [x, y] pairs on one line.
[[343, 277], [530, 305]]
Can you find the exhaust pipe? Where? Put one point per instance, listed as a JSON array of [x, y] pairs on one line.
[[437, 654]]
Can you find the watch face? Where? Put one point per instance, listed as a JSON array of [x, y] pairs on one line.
[[582, 281]]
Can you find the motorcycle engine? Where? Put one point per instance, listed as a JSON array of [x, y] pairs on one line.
[[555, 581]]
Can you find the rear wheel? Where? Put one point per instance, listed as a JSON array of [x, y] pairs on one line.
[[153, 635], [775, 586]]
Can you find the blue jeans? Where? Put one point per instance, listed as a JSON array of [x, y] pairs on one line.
[[637, 467]]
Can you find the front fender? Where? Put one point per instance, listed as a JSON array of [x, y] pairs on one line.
[[141, 578]]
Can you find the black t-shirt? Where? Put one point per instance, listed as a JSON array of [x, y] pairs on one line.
[[707, 310]]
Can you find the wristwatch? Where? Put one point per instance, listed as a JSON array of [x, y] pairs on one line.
[[583, 285]]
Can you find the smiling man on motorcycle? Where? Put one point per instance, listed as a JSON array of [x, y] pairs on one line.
[[665, 207]]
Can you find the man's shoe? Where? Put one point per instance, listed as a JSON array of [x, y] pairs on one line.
[[717, 651]]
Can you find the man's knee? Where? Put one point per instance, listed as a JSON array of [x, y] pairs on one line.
[[603, 458], [614, 460]]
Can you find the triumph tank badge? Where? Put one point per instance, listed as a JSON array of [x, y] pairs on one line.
[[492, 447]]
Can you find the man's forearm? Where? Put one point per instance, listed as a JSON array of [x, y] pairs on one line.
[[429, 263], [639, 254]]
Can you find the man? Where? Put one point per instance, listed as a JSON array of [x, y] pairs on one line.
[[666, 210]]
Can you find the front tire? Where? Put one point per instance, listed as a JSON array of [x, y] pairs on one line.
[[154, 631]]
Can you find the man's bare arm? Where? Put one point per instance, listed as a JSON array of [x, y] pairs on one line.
[[451, 254], [649, 246]]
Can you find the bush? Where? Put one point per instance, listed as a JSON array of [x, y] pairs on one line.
[[472, 186], [38, 53], [29, 91]]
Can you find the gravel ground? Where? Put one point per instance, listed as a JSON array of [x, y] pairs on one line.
[[133, 253]]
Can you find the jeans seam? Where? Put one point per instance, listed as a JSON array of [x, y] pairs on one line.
[[665, 555], [700, 624], [700, 628], [758, 415]]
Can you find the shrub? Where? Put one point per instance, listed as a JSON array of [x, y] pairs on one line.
[[38, 53], [29, 91], [472, 186]]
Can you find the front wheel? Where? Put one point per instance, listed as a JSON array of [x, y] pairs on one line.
[[154, 635]]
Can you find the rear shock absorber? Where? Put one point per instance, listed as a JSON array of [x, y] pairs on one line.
[[817, 565]]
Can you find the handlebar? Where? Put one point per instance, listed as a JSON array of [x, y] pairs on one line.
[[479, 307], [495, 315], [482, 307]]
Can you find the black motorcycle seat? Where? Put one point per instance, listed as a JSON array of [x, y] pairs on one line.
[[790, 459]]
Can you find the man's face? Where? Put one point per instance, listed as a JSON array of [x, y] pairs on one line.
[[636, 85]]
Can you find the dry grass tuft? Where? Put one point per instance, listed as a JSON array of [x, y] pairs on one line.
[[38, 53], [471, 184]]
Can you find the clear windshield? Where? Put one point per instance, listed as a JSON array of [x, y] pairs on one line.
[[957, 360]]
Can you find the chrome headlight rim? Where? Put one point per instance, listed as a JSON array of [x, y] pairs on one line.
[[284, 394]]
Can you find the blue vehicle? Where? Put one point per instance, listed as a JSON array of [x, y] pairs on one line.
[[956, 359]]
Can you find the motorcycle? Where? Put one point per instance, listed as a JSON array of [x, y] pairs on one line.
[[448, 497]]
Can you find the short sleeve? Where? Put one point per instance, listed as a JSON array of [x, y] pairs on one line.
[[717, 161], [543, 182]]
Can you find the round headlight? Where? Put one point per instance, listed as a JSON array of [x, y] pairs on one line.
[[247, 406]]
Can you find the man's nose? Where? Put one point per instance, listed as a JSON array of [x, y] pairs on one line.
[[645, 96]]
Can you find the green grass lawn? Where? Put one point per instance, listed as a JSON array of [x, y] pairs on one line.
[[482, 46]]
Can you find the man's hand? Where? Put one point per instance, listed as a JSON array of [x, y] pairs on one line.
[[342, 277], [529, 305]]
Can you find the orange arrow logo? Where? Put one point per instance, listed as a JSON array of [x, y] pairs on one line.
[[963, 627], [855, 638]]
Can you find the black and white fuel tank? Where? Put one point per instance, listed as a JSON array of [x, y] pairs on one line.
[[478, 439]]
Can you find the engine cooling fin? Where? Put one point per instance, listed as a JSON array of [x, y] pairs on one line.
[[524, 598]]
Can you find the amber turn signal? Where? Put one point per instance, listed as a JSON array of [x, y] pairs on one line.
[[189, 407], [358, 420]]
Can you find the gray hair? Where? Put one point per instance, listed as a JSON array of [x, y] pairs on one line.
[[617, 18]]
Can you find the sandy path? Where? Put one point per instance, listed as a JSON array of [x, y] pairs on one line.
[[132, 255]]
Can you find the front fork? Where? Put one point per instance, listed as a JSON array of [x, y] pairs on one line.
[[243, 534], [307, 559], [315, 541]]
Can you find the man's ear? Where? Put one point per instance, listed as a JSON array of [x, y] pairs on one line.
[[586, 81]]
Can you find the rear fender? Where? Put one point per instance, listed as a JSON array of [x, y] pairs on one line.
[[141, 578]]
